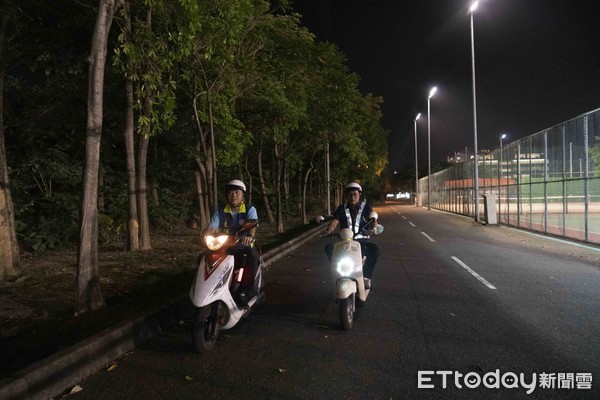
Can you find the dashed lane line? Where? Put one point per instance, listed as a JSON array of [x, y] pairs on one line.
[[428, 237], [475, 274]]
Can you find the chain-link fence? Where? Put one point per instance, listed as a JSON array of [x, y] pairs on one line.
[[547, 182]]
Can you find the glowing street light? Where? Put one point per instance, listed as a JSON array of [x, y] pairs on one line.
[[431, 93], [503, 136], [416, 164], [476, 169], [473, 6]]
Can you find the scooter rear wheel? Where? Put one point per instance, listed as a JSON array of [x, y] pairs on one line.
[[346, 310], [205, 329]]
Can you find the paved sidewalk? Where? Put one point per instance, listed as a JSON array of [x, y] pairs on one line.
[[55, 374]]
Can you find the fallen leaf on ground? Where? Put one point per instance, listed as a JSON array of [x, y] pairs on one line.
[[74, 389]]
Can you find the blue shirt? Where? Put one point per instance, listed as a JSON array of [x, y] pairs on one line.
[[249, 212]]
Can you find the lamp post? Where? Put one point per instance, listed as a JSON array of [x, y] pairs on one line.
[[416, 164], [475, 151], [431, 93], [502, 137]]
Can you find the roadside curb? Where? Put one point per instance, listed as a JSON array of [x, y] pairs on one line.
[[53, 375], [275, 254]]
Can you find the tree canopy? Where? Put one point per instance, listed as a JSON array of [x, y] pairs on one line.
[[221, 89]]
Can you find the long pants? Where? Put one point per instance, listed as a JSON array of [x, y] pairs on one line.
[[251, 259], [369, 249]]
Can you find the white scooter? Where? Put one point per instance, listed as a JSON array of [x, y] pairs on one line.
[[217, 290], [347, 272]]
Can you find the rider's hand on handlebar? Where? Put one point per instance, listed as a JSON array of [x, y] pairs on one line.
[[246, 240]]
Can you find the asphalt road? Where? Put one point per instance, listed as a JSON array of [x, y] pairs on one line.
[[453, 302]]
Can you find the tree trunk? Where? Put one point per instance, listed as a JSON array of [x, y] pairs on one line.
[[249, 181], [278, 175], [286, 181], [132, 242], [142, 194], [203, 171], [9, 248], [142, 161], [202, 206], [201, 192], [154, 184], [213, 159], [305, 219], [263, 189], [89, 296], [101, 187]]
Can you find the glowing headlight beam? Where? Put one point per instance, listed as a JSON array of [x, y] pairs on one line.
[[214, 243], [345, 266]]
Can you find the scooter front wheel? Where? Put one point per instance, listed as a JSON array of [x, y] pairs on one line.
[[346, 310], [205, 328]]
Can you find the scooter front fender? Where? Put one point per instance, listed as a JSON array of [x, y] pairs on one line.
[[344, 287], [207, 289]]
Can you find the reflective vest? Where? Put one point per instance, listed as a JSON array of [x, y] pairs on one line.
[[226, 222], [356, 227]]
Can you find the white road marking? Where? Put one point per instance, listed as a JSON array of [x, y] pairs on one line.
[[412, 224], [475, 274], [428, 237]]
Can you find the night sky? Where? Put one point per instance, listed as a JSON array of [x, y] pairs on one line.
[[537, 63]]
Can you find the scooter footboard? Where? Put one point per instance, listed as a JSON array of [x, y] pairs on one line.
[[344, 287]]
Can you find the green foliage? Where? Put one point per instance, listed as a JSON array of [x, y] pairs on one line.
[[48, 223], [255, 74], [109, 230], [171, 210]]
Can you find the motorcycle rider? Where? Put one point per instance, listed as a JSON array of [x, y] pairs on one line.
[[230, 219], [354, 214]]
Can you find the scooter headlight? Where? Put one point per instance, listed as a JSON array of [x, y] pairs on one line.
[[215, 242], [345, 266]]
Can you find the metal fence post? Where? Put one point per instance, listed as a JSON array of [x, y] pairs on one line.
[[519, 184], [564, 181], [546, 163], [586, 172]]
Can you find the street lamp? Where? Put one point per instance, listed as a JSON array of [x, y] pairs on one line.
[[416, 164], [502, 137], [431, 93], [476, 169]]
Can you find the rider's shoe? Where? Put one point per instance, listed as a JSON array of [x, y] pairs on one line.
[[245, 296]]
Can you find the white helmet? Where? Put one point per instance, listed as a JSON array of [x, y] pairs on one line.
[[235, 184], [352, 186]]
